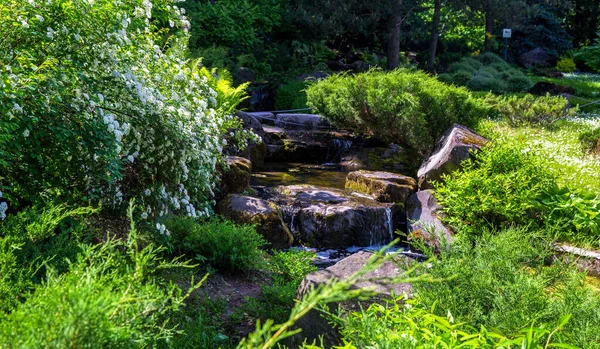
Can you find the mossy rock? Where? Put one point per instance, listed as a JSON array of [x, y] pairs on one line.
[[263, 214], [382, 186]]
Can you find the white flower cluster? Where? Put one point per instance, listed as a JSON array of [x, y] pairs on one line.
[[159, 112]]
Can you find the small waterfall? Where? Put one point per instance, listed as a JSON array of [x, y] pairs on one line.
[[337, 147], [288, 214], [390, 224]]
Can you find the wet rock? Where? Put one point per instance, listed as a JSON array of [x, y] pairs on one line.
[[424, 223], [265, 118], [538, 57], [327, 217], [392, 158], [273, 135], [235, 178], [267, 217], [301, 121], [314, 324], [454, 147], [382, 186], [541, 88]]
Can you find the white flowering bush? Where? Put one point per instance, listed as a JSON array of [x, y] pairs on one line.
[[98, 104]]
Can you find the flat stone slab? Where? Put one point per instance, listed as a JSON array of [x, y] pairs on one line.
[[382, 186], [454, 147], [314, 324], [301, 121]]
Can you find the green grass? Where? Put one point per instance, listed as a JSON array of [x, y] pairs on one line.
[[587, 88]]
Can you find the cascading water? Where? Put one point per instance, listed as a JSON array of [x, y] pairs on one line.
[[288, 213], [338, 146], [390, 223]]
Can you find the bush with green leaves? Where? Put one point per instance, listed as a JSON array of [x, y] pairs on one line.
[[590, 55], [402, 106], [34, 241], [497, 189], [566, 65], [486, 72], [221, 244], [107, 296], [494, 291], [529, 109], [98, 103]]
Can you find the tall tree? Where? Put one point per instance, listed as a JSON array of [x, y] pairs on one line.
[[435, 34]]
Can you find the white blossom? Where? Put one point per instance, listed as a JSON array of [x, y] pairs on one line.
[[50, 33]]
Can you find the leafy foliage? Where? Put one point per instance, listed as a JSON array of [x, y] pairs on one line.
[[402, 106], [291, 96], [495, 190], [221, 244], [566, 65], [590, 55], [98, 104], [530, 110], [487, 72]]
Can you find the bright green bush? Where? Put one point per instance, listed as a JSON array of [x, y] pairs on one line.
[[566, 65], [495, 190], [107, 298], [96, 106], [590, 140], [530, 110], [291, 96], [502, 281], [488, 72], [34, 241], [590, 55], [402, 106], [221, 244]]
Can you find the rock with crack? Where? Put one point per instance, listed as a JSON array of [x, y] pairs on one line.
[[382, 186], [424, 224], [326, 217], [267, 217], [315, 324], [454, 147]]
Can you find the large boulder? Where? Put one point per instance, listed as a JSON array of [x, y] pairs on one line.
[[301, 121], [327, 217], [382, 186], [454, 147], [267, 217], [537, 58], [235, 177], [315, 324], [424, 224], [307, 146]]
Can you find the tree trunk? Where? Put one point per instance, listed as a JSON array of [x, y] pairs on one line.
[[489, 29], [393, 45], [435, 34]]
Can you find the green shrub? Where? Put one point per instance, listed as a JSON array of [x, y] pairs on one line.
[[502, 281], [107, 298], [402, 106], [80, 127], [34, 241], [590, 55], [530, 110], [566, 65], [219, 243], [488, 72], [291, 96], [518, 83], [213, 56], [461, 77], [485, 81], [497, 189], [577, 213]]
